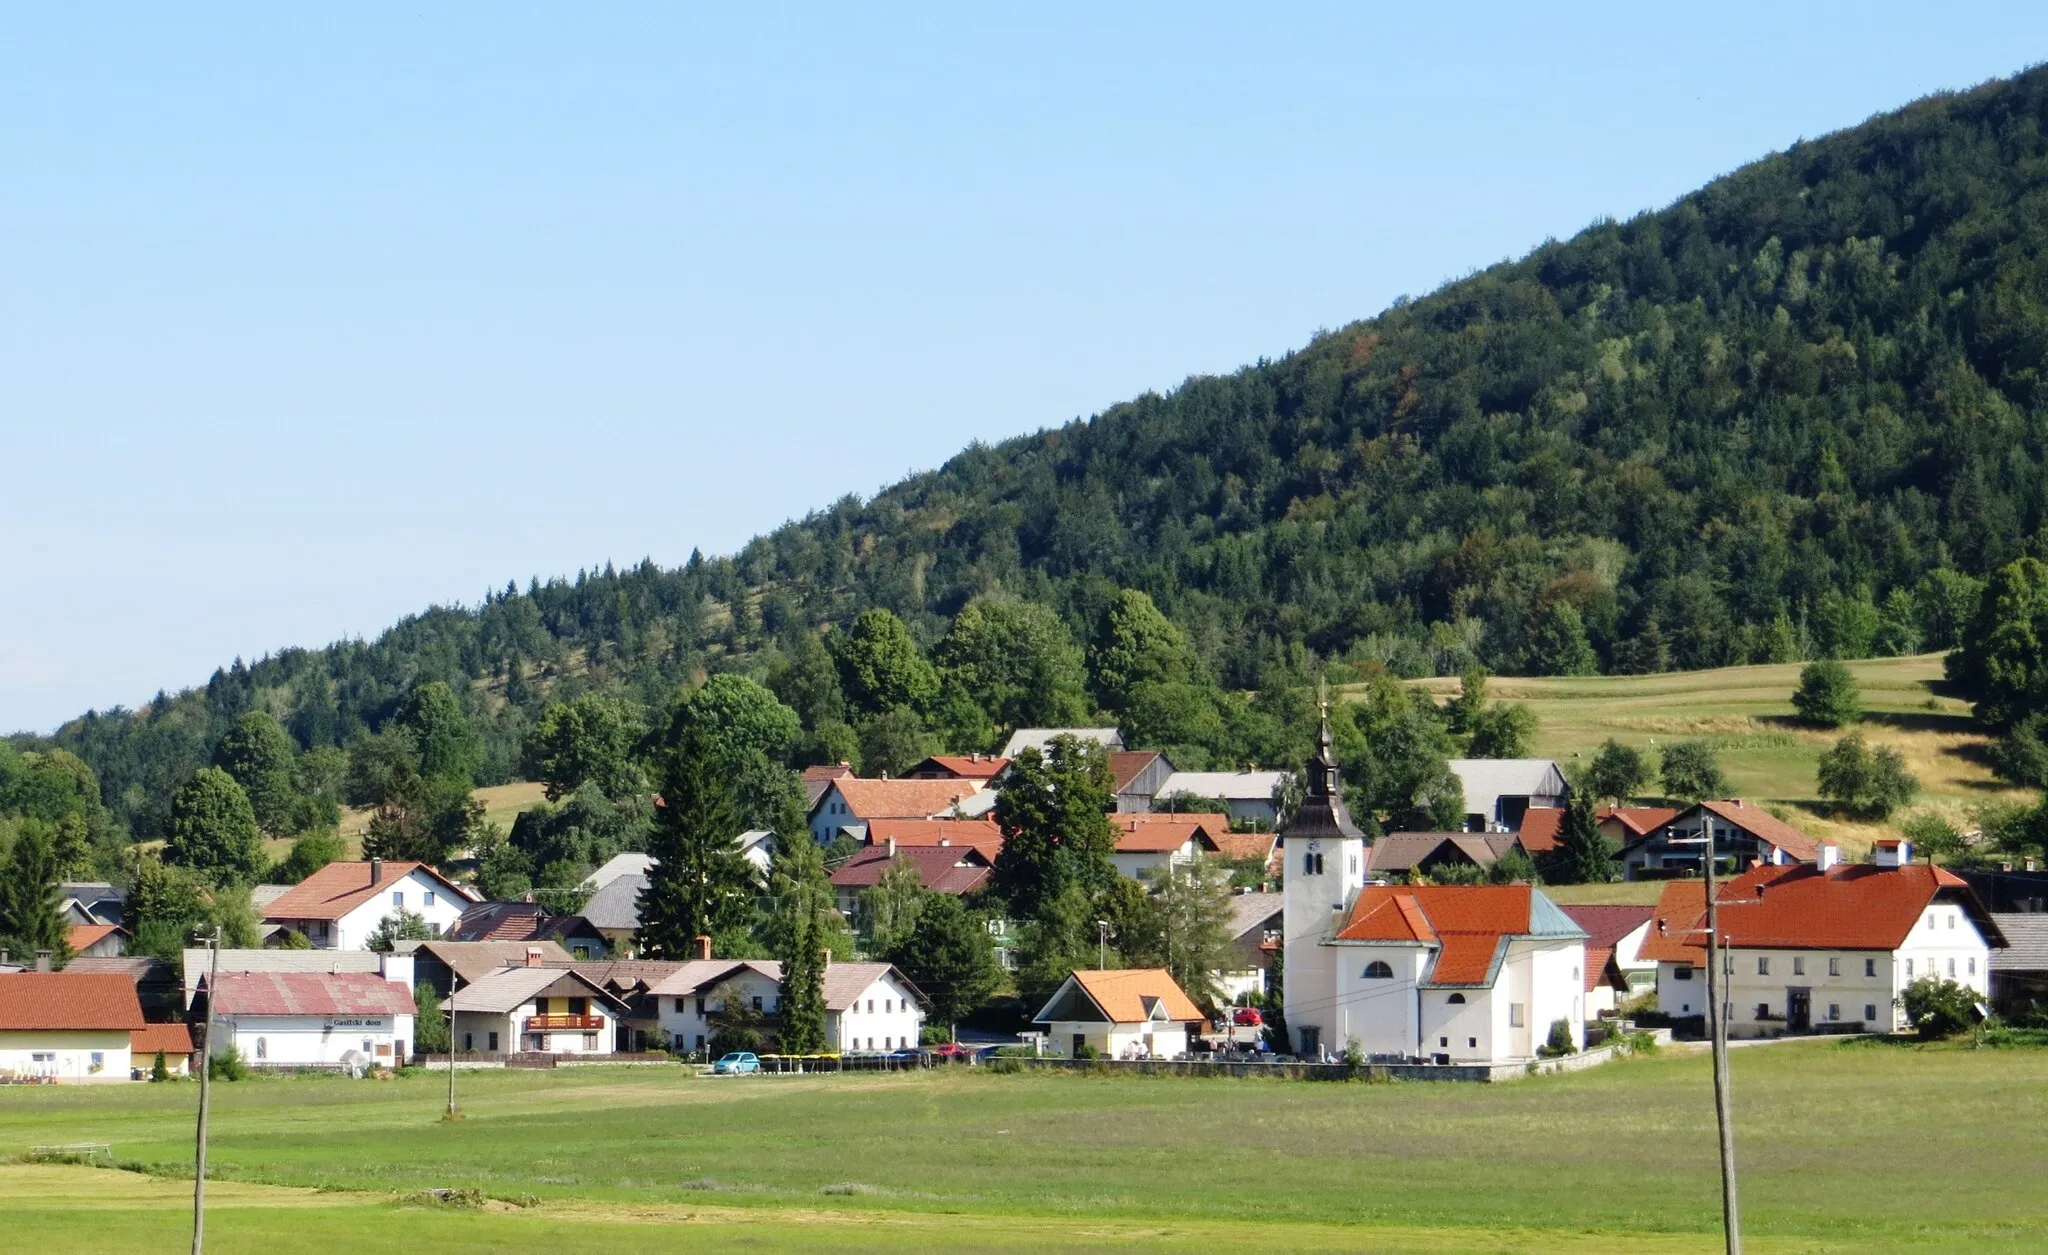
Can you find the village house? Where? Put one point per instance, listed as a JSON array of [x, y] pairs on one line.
[[92, 902], [1250, 796], [1821, 950], [2019, 970], [1257, 923], [341, 905], [1499, 791], [980, 768], [868, 1006], [1149, 844], [97, 941], [534, 1008], [1040, 738], [529, 921], [446, 965], [981, 835], [1615, 967], [396, 966], [1401, 856], [172, 1041], [333, 1020], [614, 911], [1120, 1014], [1743, 834], [154, 980], [1621, 825], [955, 870], [67, 1027], [1448, 974], [1138, 776], [851, 802]]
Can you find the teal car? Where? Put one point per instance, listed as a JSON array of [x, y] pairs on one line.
[[738, 1063]]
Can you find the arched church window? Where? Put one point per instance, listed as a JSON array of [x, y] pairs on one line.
[[1456, 1000], [1379, 969]]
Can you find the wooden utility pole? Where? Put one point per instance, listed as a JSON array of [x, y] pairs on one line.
[[205, 1093], [1717, 992], [451, 1115]]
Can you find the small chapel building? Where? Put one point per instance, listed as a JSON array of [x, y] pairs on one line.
[[1454, 974]]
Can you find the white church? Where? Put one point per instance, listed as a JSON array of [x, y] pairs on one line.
[[1437, 973]]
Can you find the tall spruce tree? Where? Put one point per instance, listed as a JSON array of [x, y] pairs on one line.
[[804, 924], [31, 911], [1582, 856], [700, 885]]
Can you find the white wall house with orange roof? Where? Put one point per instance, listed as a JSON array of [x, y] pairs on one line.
[[1125, 1013], [1809, 950], [340, 906]]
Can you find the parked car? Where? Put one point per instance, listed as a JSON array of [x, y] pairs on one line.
[[951, 1051], [1248, 1017], [737, 1063]]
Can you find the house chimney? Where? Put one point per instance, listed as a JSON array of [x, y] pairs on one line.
[[376, 871], [1892, 852], [1830, 855], [703, 947], [533, 954], [892, 847], [825, 957], [42, 960]]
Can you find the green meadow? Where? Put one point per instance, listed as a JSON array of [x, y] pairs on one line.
[[1843, 1147]]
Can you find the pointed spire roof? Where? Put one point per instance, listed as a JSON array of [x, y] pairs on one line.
[[1322, 815]]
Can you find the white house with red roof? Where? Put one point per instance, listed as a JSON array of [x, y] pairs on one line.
[[535, 1008], [1444, 973], [1125, 1013], [853, 801], [351, 1020], [952, 869], [1150, 842], [1813, 950], [1615, 967], [1744, 833], [67, 1026], [868, 1006], [341, 905]]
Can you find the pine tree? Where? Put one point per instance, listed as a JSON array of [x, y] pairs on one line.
[[1582, 856], [700, 885], [803, 903], [31, 911]]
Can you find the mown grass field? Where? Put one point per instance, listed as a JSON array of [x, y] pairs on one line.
[[1844, 1147], [1746, 712]]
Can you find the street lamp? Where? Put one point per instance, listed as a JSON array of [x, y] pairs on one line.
[[1101, 945]]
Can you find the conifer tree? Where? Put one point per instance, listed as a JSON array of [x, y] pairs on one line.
[[31, 912], [1582, 856], [700, 885], [803, 908]]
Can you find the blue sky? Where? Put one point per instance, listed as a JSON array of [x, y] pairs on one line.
[[305, 325]]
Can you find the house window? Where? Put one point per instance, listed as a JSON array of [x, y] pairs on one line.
[[1312, 864], [757, 1002], [1951, 921], [1472, 1043], [1869, 1011], [680, 1003], [262, 1048], [590, 1041], [700, 1006], [1951, 965], [1763, 965], [1682, 972], [887, 1006], [493, 1044], [469, 1041], [1456, 1000], [1870, 967], [888, 1043], [1763, 1010], [1514, 1015], [1834, 967], [1973, 967], [579, 1006], [369, 1047], [430, 897], [871, 1006], [1930, 919], [398, 897], [1834, 1010], [1909, 969], [1379, 969], [1798, 966], [1443, 1041]]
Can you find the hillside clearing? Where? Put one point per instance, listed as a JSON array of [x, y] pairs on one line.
[[1746, 713]]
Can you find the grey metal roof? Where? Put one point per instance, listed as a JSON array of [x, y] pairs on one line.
[[282, 961], [2026, 942], [1235, 786], [1547, 919], [1039, 738], [616, 904], [1250, 911]]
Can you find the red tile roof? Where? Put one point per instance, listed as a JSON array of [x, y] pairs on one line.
[[1760, 823], [310, 993], [1122, 993], [172, 1039], [85, 936], [1605, 927], [1127, 765], [1638, 820], [68, 1002], [339, 888], [1163, 838], [942, 869], [1214, 821], [959, 767], [1848, 907], [1236, 845], [901, 799], [1540, 826], [981, 834], [1468, 922]]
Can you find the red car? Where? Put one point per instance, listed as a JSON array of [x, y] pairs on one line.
[[1247, 1017], [950, 1050]]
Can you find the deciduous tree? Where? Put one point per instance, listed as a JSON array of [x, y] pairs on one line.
[[213, 829]]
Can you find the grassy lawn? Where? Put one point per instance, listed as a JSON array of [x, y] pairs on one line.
[[1844, 1147], [502, 804], [1746, 712]]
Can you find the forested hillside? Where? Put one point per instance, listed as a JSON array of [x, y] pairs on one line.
[[1800, 413]]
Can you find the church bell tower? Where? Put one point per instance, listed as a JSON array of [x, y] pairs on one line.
[[1324, 856]]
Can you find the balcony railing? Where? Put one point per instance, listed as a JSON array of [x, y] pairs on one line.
[[564, 1023]]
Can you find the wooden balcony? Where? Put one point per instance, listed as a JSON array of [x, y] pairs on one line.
[[564, 1023]]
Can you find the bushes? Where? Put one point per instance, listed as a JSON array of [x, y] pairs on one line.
[[1938, 1008], [1864, 781], [1560, 1041], [1827, 695], [226, 1065]]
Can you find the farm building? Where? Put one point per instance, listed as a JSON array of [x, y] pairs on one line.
[[344, 1020]]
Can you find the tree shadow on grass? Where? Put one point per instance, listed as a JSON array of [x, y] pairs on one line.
[[1922, 721]]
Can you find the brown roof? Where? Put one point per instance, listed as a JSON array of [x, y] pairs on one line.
[[942, 869], [310, 993], [172, 1039], [1126, 765], [474, 960], [1847, 907], [1122, 994], [1404, 851], [981, 834], [85, 936], [68, 1002], [1162, 838], [901, 799], [959, 767], [339, 888]]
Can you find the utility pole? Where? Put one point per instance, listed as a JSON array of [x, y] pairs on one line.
[[451, 1113], [1101, 945], [205, 1093], [1724, 1114]]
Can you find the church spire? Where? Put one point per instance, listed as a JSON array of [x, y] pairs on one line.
[[1322, 813]]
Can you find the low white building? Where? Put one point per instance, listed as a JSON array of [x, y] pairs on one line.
[[1250, 795], [66, 1026], [346, 1020], [342, 904], [1151, 843], [1123, 1013], [394, 966], [868, 1006], [535, 1009], [1440, 973], [1812, 950], [1616, 969]]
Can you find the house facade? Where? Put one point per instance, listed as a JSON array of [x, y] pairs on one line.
[[342, 904], [67, 1027], [348, 1020], [1812, 950], [1447, 974], [1149, 844], [1500, 791], [851, 802], [395, 966], [534, 1009], [1743, 834], [1120, 1014], [1615, 967], [868, 1006], [955, 870]]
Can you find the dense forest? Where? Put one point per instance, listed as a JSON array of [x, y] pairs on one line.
[[1801, 413]]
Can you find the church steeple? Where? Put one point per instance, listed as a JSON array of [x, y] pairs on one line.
[[1322, 815]]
